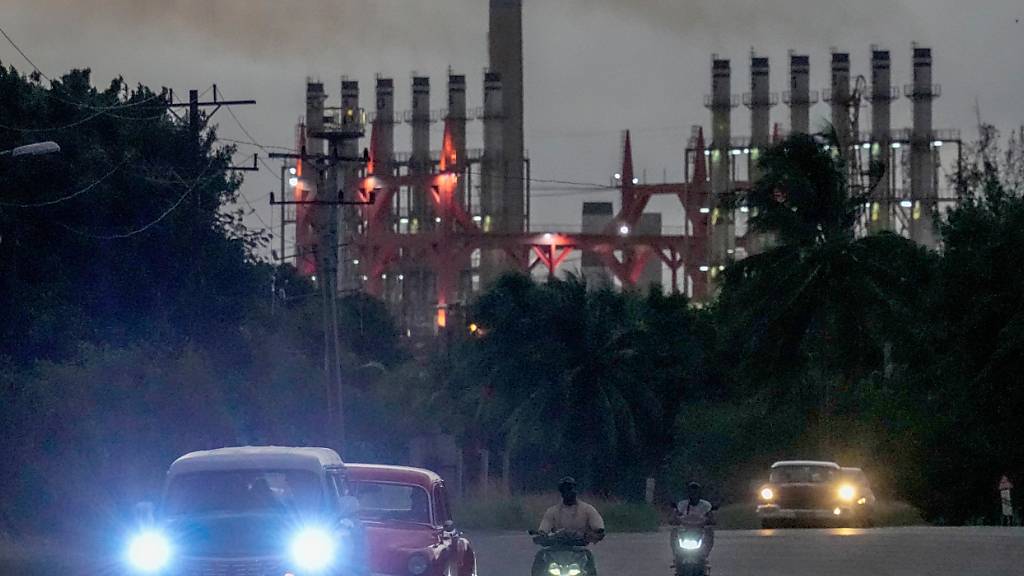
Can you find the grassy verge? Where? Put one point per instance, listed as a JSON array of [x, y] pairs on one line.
[[522, 513], [744, 516]]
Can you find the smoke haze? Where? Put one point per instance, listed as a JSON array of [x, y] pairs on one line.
[[593, 67]]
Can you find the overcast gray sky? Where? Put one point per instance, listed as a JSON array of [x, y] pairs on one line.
[[593, 67]]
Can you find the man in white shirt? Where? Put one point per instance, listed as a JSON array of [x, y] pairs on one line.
[[694, 511], [573, 515]]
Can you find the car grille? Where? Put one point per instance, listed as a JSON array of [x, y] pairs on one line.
[[231, 567], [803, 497]]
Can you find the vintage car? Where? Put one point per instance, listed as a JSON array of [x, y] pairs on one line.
[[408, 522], [808, 492], [251, 510]]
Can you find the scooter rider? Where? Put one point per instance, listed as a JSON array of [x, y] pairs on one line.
[[696, 511], [573, 515]]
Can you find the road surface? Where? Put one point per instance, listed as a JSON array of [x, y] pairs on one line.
[[918, 551]]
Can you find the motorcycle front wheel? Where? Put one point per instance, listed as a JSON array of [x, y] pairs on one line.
[[690, 570]]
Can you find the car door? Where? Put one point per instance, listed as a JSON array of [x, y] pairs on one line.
[[462, 559]]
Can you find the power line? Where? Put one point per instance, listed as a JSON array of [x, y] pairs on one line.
[[257, 144], [97, 112], [261, 160], [50, 80], [25, 56], [53, 129], [591, 185], [152, 223], [71, 196]]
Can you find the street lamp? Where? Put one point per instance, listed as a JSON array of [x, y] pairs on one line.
[[37, 149]]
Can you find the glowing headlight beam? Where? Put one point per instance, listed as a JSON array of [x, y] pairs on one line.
[[149, 552], [767, 494], [312, 549], [690, 544], [847, 493]]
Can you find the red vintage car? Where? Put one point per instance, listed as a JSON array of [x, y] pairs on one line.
[[409, 527]]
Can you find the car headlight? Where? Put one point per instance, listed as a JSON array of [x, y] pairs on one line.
[[767, 493], [847, 493], [418, 564], [690, 544], [554, 569], [149, 552], [312, 549]]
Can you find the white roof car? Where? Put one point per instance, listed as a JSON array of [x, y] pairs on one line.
[[256, 458], [805, 463]]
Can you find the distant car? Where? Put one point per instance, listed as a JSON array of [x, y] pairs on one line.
[[408, 521], [816, 493], [251, 511]]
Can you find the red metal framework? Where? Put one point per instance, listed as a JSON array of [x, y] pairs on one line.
[[446, 246]]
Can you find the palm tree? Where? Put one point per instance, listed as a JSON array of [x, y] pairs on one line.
[[566, 388], [821, 301]]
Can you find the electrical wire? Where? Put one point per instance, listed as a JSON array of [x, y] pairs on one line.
[[50, 80], [145, 227], [25, 56], [55, 128], [591, 185], [253, 142], [71, 196], [257, 144]]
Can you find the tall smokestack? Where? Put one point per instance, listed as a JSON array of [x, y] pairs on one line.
[[799, 96], [721, 103], [840, 99], [324, 222], [457, 121], [384, 126], [880, 217], [760, 101], [348, 181], [419, 286], [922, 159], [506, 58], [419, 205], [492, 189]]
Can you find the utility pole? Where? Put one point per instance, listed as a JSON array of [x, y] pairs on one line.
[[327, 278]]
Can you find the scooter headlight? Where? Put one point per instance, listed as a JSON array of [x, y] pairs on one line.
[[149, 551], [690, 544], [555, 569], [312, 549]]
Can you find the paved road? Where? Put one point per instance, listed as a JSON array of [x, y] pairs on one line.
[[838, 552]]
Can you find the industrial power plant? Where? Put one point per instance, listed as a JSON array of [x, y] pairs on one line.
[[427, 229]]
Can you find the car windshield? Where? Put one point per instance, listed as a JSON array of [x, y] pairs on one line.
[[855, 476], [379, 501], [802, 475], [242, 492]]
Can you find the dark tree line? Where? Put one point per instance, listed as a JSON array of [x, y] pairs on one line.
[[137, 323], [869, 350]]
